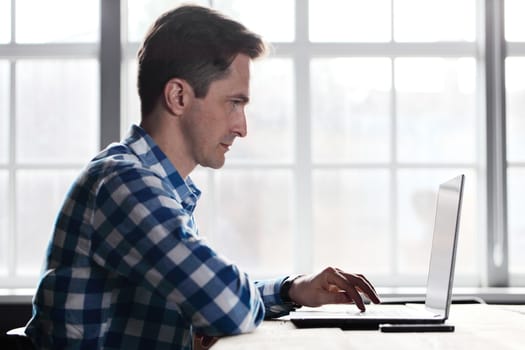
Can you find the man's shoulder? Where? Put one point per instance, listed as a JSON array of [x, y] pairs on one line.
[[115, 152], [117, 161], [116, 157]]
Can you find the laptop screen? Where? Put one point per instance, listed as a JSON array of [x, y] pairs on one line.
[[446, 226]]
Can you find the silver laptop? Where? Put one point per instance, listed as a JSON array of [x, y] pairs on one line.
[[439, 283]]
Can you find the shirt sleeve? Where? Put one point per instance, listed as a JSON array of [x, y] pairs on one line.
[[270, 292], [141, 232]]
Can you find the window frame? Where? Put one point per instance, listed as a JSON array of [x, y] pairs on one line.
[[489, 18], [114, 52], [12, 52], [510, 49]]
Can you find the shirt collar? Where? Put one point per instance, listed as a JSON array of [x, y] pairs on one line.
[[154, 158]]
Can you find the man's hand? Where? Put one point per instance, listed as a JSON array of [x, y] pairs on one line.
[[332, 286], [203, 342]]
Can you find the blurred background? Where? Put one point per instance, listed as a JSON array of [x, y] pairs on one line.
[[361, 109]]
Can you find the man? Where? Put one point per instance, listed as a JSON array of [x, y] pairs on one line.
[[125, 267]]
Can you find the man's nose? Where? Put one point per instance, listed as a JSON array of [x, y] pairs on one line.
[[241, 127]]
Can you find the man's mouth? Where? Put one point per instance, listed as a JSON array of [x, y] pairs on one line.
[[226, 146]]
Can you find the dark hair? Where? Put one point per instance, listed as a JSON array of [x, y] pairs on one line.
[[193, 43]]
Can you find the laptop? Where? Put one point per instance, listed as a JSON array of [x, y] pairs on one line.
[[439, 283]]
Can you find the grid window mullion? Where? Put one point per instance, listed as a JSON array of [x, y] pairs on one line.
[[12, 229], [20, 58], [394, 253], [301, 52], [303, 234]]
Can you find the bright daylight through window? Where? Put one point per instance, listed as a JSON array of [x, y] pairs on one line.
[[361, 109]]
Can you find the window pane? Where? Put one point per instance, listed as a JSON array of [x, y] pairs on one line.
[[4, 221], [351, 109], [5, 21], [269, 115], [4, 111], [142, 14], [516, 193], [514, 10], [416, 205], [57, 21], [515, 71], [434, 20], [352, 218], [436, 110], [255, 16], [253, 224], [60, 124], [350, 20], [40, 193]]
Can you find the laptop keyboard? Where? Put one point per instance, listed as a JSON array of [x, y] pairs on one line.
[[372, 311], [395, 311]]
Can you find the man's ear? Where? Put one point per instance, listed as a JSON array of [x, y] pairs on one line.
[[178, 95]]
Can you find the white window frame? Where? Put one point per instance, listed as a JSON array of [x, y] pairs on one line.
[[489, 20], [13, 52], [112, 52], [510, 49]]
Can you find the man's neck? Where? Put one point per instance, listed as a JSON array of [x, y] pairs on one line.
[[167, 136]]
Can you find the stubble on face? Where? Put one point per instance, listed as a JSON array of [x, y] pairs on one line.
[[212, 124], [203, 136]]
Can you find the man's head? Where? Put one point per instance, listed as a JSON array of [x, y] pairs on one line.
[[194, 74], [192, 43]]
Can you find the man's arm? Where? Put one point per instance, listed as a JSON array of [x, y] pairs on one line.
[[270, 291], [330, 286], [142, 233]]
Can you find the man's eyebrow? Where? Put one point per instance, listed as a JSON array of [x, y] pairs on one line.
[[242, 97]]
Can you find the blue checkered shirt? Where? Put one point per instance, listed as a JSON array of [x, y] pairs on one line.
[[125, 266]]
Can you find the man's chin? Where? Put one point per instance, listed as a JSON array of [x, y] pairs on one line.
[[216, 164]]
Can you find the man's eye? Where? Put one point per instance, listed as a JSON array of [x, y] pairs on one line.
[[236, 103]]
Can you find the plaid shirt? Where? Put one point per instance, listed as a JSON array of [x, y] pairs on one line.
[[126, 269]]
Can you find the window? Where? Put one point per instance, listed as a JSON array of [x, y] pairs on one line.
[[434, 21], [362, 149], [355, 119], [353, 21], [515, 88], [49, 122], [5, 21]]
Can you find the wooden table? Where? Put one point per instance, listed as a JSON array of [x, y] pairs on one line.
[[478, 326]]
